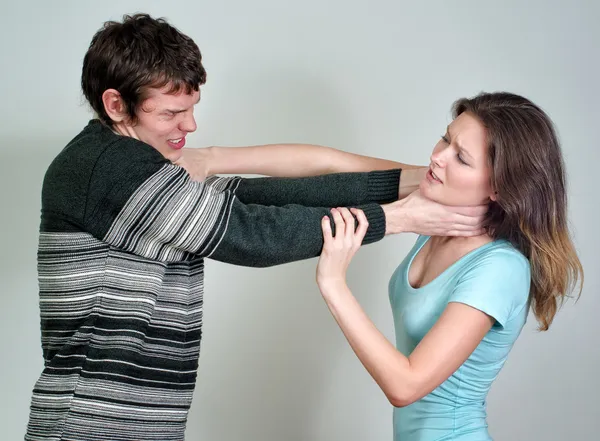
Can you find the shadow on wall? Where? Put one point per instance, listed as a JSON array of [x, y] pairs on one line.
[[21, 172]]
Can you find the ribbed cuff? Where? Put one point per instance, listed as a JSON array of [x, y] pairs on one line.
[[376, 219], [383, 185]]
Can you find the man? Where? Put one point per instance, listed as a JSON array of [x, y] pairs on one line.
[[127, 220]]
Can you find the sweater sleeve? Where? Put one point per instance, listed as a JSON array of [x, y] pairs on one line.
[[261, 236], [332, 190], [149, 207]]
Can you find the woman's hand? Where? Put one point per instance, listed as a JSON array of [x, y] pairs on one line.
[[338, 250], [197, 162]]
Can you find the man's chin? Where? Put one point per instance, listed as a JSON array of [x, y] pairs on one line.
[[172, 155]]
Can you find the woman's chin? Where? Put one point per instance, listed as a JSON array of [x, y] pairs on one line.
[[426, 190], [429, 192]]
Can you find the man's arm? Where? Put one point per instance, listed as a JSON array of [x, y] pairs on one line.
[[332, 190], [141, 203]]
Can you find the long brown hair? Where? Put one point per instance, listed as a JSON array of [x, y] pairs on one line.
[[530, 210]]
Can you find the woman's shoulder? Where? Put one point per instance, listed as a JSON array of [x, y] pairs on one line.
[[496, 280], [500, 263], [502, 252]]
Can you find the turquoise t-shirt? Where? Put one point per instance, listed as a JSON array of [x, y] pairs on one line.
[[494, 278]]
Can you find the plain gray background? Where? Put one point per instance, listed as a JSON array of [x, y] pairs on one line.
[[371, 77]]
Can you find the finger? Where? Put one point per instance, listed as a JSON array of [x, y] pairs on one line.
[[339, 223], [348, 222], [326, 227], [470, 211], [467, 233], [363, 224], [463, 222]]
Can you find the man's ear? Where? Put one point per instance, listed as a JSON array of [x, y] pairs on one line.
[[114, 106]]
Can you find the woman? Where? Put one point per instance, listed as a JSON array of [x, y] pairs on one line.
[[459, 303]]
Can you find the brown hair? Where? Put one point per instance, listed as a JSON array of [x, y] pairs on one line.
[[531, 206], [135, 55]]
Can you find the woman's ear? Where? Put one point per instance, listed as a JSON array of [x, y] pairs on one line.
[[114, 106], [494, 196]]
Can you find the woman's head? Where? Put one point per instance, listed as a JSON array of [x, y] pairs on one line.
[[502, 149], [460, 172]]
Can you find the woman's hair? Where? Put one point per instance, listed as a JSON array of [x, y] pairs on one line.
[[135, 55], [530, 211]]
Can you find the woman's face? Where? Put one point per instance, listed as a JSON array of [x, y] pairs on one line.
[[459, 173]]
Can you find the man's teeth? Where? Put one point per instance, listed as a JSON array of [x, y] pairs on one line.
[[175, 141], [435, 176]]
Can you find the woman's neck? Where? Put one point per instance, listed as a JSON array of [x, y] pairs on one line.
[[466, 243]]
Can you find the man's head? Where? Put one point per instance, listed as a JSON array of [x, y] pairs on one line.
[[142, 77]]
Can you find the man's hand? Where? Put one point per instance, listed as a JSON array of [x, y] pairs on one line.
[[420, 215], [196, 162]]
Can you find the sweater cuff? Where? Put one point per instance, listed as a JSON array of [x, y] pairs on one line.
[[376, 218], [383, 185]]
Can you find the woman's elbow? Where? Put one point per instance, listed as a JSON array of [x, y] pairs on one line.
[[403, 398]]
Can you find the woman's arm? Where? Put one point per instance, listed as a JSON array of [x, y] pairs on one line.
[[291, 160], [404, 380]]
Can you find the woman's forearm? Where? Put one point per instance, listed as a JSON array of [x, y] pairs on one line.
[[390, 369], [293, 160]]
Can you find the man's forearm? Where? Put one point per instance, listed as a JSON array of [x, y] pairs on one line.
[[261, 236], [293, 160], [330, 190]]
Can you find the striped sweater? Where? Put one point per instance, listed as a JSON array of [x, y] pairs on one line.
[[122, 240]]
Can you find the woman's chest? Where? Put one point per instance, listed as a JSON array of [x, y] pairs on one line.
[[415, 311]]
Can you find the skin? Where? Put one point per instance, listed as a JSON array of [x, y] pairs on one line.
[[461, 175], [164, 119]]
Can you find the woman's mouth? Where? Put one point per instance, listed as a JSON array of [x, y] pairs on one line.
[[432, 177]]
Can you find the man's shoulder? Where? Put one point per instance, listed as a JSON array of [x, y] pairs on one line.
[[97, 142]]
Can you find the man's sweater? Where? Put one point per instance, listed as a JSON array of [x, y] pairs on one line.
[[120, 263]]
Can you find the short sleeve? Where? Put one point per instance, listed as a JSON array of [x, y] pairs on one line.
[[497, 283]]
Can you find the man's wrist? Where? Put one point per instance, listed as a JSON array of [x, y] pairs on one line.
[[396, 220]]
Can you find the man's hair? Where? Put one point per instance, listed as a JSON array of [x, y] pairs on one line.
[[138, 54]]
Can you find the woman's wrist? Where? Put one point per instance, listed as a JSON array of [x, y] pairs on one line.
[[331, 285]]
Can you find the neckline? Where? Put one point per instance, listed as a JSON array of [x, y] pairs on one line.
[[447, 270]]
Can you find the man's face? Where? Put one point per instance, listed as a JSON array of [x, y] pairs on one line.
[[163, 121]]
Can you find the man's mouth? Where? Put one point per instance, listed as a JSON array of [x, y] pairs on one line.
[[176, 143]]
